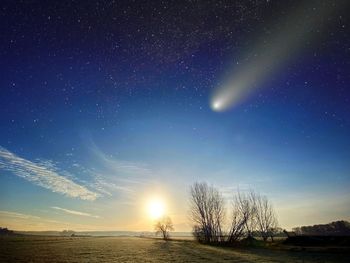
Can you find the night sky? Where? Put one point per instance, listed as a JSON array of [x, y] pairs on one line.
[[107, 103]]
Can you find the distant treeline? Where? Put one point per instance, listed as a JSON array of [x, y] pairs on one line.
[[337, 228], [6, 232]]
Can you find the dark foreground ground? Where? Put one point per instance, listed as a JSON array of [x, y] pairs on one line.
[[134, 249]]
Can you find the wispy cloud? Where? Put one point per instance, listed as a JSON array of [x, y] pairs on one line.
[[44, 174], [20, 221], [17, 215], [119, 167], [74, 212], [110, 176], [106, 186]]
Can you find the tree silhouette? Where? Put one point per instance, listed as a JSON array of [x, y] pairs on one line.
[[247, 208], [163, 226], [265, 217], [207, 212]]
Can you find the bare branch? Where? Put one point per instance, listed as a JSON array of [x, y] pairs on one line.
[[164, 226], [207, 212]]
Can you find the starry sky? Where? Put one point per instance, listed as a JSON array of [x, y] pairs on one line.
[[105, 104]]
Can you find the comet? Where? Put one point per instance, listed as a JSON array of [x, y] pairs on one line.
[[285, 40]]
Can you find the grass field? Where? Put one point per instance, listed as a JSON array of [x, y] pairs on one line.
[[134, 249]]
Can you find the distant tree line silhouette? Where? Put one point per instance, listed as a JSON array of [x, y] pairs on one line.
[[67, 233], [6, 232], [337, 228], [249, 213]]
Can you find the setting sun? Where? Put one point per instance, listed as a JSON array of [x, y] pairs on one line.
[[156, 208]]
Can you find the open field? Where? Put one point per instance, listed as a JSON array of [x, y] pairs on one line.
[[134, 249]]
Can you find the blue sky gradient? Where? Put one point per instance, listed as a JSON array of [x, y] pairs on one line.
[[125, 115]]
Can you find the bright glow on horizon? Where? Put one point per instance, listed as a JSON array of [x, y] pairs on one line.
[[156, 208]]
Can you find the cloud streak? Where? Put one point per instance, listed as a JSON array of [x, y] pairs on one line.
[[74, 212], [112, 176], [44, 175], [20, 221], [120, 167], [17, 215]]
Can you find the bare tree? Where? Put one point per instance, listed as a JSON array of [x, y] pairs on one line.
[[247, 209], [250, 213], [237, 224], [164, 226], [265, 217], [207, 212]]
